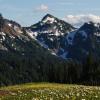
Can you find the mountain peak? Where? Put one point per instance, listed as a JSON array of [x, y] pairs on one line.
[[48, 18], [90, 26], [48, 15]]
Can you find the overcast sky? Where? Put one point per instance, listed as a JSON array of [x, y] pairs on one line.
[[28, 12]]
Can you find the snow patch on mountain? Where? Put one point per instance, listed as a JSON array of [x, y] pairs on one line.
[[2, 33], [97, 34], [2, 36], [9, 24], [17, 29], [49, 19], [32, 34], [57, 33]]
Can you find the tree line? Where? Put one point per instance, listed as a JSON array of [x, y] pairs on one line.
[[15, 69]]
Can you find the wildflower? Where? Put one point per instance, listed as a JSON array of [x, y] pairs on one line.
[[78, 94], [96, 96], [83, 99]]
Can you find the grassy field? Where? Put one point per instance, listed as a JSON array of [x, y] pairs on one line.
[[46, 91]]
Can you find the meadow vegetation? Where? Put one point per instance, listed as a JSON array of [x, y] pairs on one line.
[[47, 91]]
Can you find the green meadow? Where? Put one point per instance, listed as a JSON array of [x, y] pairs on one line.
[[48, 91]]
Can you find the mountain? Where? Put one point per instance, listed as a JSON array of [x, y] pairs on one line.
[[86, 41], [50, 32], [14, 38], [22, 59], [52, 25], [65, 41]]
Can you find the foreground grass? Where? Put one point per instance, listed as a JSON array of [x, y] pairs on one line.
[[46, 91]]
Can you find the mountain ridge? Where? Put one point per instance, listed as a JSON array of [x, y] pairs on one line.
[[55, 35]]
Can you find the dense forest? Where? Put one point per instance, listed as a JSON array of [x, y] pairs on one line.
[[16, 69]]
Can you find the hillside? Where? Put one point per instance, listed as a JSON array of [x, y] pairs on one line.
[[22, 59], [46, 91]]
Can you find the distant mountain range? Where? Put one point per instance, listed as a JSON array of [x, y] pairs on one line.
[[66, 41], [57, 36]]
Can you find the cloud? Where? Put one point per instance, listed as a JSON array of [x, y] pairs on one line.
[[42, 7], [78, 20]]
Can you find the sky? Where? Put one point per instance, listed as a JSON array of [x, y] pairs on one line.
[[28, 12]]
